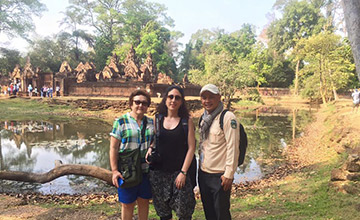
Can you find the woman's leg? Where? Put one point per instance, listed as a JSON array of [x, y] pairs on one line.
[[143, 208], [127, 211]]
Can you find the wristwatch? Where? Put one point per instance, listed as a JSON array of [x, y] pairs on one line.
[[183, 172]]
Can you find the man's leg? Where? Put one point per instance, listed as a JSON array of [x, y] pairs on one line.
[[216, 201], [222, 203], [206, 196]]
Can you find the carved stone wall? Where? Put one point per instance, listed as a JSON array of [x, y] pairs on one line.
[[123, 89]]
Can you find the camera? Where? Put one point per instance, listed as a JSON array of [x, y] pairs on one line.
[[154, 158]]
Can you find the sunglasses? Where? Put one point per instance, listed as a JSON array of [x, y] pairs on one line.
[[177, 97], [138, 102]]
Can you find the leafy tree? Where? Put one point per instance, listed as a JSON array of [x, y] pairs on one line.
[[121, 51], [44, 54], [204, 43], [300, 19], [281, 74], [103, 49], [224, 71], [72, 21], [261, 63], [192, 58], [136, 14], [206, 36], [68, 52], [154, 39], [325, 59], [16, 16], [49, 53], [238, 43], [117, 22], [8, 60]]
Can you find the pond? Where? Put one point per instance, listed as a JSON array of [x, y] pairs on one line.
[[35, 146]]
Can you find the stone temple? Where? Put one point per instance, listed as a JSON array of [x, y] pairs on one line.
[[115, 79]]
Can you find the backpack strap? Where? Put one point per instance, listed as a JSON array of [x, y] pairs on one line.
[[222, 118], [185, 125], [144, 128], [200, 120], [158, 118]]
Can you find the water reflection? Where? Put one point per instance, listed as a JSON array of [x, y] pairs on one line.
[[34, 146], [269, 131]]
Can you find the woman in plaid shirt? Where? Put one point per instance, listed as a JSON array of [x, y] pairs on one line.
[[126, 136]]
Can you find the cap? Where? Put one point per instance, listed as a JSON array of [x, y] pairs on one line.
[[211, 88]]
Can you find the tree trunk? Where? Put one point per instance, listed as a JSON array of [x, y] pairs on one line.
[[352, 20], [294, 111], [62, 170], [322, 90], [297, 77], [1, 157]]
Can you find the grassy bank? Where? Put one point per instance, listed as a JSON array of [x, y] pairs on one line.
[[303, 193], [26, 109], [306, 193]]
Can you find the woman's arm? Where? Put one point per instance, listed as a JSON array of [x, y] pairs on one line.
[[114, 152], [180, 180]]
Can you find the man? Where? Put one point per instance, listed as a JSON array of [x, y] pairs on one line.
[[219, 152], [356, 100]]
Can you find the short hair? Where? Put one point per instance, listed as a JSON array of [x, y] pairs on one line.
[[139, 92], [183, 111]]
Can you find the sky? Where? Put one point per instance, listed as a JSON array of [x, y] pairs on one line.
[[189, 16]]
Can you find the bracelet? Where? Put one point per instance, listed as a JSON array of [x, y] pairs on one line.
[[183, 172]]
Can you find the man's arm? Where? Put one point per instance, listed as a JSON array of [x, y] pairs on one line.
[[232, 137]]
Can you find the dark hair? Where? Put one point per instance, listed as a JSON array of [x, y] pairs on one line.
[[139, 92], [183, 111]]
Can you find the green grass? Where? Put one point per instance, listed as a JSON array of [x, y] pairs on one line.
[[28, 109], [307, 195], [247, 103]]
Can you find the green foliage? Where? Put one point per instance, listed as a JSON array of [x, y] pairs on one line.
[[72, 21], [239, 43], [326, 59], [311, 88], [225, 72], [300, 19], [49, 53], [16, 16], [261, 61], [154, 39], [192, 58], [205, 36], [136, 14], [281, 74], [8, 60], [119, 22], [103, 48], [44, 53], [254, 95], [121, 51], [222, 62]]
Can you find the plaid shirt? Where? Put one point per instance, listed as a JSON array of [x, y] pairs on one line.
[[128, 132]]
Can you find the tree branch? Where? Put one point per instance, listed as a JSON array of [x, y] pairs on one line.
[[62, 170]]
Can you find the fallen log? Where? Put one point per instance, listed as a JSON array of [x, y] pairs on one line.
[[58, 171]]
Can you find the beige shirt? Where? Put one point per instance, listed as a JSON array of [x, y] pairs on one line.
[[220, 151]]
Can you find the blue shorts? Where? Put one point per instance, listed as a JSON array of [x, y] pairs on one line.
[[129, 195]]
